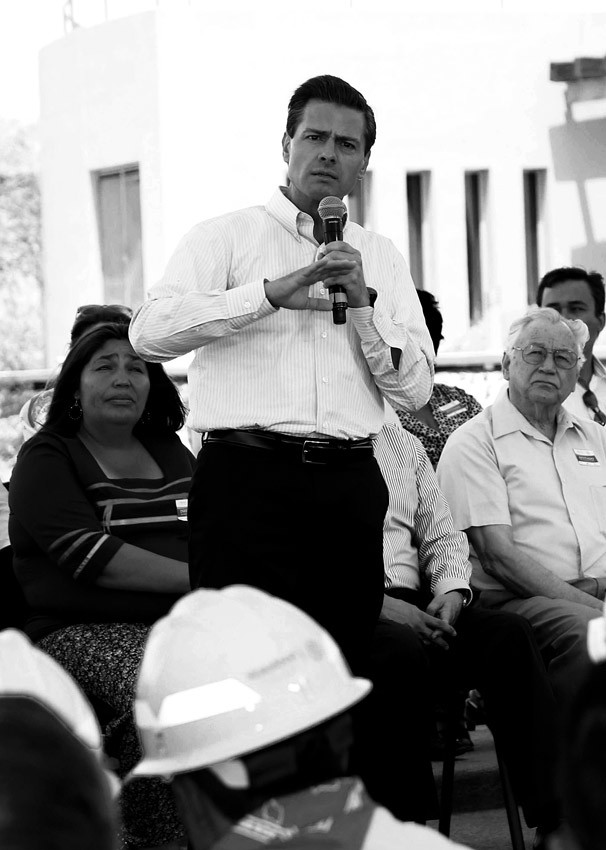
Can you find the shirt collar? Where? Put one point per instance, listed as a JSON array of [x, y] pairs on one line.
[[300, 224], [287, 214], [598, 369], [507, 418]]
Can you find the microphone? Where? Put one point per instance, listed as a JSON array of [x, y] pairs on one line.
[[333, 213]]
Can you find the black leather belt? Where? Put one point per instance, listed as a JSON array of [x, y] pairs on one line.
[[305, 449]]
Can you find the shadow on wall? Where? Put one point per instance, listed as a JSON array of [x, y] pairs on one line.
[[579, 155]]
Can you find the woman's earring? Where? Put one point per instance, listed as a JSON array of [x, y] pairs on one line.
[[146, 417], [75, 411]]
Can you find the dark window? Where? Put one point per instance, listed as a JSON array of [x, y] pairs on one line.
[[534, 190], [475, 220], [417, 194], [119, 218]]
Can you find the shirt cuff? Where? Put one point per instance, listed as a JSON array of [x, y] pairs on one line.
[[374, 327], [449, 584], [246, 304]]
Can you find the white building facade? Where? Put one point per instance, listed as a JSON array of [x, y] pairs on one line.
[[485, 173]]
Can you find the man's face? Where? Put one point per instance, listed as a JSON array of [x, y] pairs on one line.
[[326, 154], [574, 300], [545, 384]]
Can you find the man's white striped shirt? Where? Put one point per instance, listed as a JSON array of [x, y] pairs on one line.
[[284, 370]]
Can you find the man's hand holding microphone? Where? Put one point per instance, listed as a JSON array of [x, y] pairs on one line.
[[339, 267]]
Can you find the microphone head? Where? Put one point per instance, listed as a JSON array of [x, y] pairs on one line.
[[332, 207]]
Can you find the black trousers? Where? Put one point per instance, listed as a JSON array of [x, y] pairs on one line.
[[495, 651], [392, 726], [314, 535], [309, 533]]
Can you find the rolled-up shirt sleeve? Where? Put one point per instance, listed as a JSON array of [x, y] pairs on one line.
[[50, 514], [396, 322]]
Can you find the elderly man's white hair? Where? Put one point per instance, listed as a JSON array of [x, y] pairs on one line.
[[578, 328]]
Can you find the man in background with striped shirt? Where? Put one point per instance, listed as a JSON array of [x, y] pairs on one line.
[[287, 495], [427, 574]]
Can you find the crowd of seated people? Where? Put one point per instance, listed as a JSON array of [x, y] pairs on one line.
[[98, 528]]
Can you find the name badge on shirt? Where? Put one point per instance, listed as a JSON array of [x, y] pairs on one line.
[[586, 458], [181, 506], [453, 408]]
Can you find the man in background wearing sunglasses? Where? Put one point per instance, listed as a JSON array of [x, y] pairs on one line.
[[527, 481], [579, 294]]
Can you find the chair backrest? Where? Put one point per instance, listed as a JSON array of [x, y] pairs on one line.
[[13, 607]]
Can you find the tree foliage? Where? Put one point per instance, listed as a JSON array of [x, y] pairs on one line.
[[22, 338]]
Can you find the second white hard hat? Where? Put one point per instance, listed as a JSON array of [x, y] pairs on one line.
[[27, 671]]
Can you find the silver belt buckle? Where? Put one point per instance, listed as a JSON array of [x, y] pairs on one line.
[[307, 446]]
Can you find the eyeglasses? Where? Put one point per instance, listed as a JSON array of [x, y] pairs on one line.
[[534, 355]]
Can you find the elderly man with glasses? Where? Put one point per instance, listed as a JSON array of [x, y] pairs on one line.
[[527, 481]]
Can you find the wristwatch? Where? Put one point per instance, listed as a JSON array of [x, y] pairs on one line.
[[465, 593]]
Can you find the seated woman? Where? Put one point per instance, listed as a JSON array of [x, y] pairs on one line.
[[35, 410], [99, 533], [448, 406]]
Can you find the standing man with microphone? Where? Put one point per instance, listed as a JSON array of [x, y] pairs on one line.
[[287, 495]]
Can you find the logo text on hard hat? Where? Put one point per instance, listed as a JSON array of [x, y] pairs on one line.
[[275, 665]]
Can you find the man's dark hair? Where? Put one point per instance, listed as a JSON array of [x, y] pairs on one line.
[[53, 792], [433, 317], [164, 411], [331, 90], [583, 764], [594, 281]]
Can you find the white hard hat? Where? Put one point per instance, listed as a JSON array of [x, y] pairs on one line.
[[231, 671], [596, 638], [27, 671]]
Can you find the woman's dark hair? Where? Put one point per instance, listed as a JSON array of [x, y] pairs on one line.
[[89, 315], [164, 411], [433, 317], [330, 90]]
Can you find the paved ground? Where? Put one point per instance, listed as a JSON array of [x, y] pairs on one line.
[[479, 820]]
